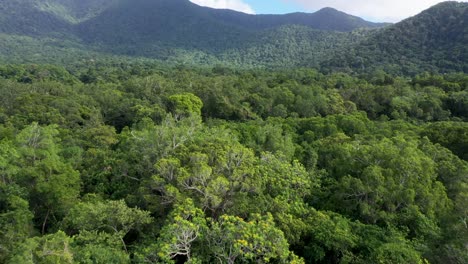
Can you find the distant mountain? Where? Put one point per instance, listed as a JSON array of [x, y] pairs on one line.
[[182, 24], [325, 19], [182, 32], [436, 39], [146, 15], [168, 29], [175, 30]]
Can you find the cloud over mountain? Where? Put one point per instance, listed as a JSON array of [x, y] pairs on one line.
[[237, 5]]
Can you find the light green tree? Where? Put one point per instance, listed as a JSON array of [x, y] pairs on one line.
[[182, 105], [95, 247], [49, 249], [185, 226], [15, 220], [111, 217], [231, 240], [53, 185]]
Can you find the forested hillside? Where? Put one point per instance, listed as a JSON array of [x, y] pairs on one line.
[[22, 17], [167, 30], [140, 163], [180, 32], [435, 39]]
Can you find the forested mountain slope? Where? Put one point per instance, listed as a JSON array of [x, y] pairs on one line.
[[75, 11], [174, 30], [157, 16], [435, 39], [180, 32], [23, 17]]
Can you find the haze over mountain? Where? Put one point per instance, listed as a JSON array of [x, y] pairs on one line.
[[180, 31]]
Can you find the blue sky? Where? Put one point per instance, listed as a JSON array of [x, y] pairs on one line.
[[373, 10], [274, 6]]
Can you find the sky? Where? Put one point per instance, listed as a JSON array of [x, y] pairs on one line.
[[372, 10]]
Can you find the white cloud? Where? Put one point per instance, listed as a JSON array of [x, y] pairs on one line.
[[237, 5], [378, 10]]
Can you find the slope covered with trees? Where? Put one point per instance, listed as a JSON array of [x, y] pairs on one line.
[[22, 17], [435, 39], [180, 32]]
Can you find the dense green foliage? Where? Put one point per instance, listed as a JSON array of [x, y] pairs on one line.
[[138, 163], [132, 155]]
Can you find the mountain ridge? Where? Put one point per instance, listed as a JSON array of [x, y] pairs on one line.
[[183, 32], [77, 12]]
